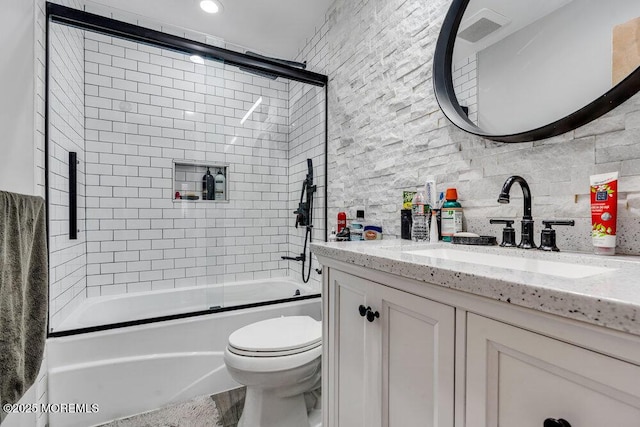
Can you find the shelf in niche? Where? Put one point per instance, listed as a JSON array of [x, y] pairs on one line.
[[188, 180]]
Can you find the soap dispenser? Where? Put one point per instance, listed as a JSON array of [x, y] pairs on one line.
[[208, 192]]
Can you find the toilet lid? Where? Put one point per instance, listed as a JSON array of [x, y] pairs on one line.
[[279, 336]]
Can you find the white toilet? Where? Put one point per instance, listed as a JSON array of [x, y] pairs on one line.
[[279, 361]]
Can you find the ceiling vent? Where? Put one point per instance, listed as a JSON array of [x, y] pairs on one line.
[[481, 24]]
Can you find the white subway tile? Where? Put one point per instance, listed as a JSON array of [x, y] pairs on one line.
[[125, 85], [149, 68], [110, 49], [137, 76], [139, 286], [137, 55], [98, 58], [117, 267], [109, 71], [139, 119], [160, 60], [139, 245]]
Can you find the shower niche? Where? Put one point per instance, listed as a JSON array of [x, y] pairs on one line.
[[200, 182]]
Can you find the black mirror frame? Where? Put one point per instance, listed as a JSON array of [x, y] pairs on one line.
[[446, 97]]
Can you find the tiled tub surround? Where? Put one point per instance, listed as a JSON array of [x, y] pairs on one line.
[[148, 107], [610, 299], [306, 140], [68, 258], [387, 133]]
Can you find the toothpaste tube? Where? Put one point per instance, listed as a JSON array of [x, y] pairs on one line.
[[604, 212]]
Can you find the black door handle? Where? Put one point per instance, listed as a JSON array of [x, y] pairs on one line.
[[363, 310], [552, 422]]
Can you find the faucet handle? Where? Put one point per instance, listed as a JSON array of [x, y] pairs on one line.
[[508, 222], [549, 223], [508, 232], [548, 234]]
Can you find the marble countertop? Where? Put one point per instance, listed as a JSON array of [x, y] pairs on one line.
[[610, 298]]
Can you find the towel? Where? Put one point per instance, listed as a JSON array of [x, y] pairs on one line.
[[23, 293]]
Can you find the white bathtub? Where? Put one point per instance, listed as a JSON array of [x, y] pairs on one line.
[[106, 310], [136, 369]]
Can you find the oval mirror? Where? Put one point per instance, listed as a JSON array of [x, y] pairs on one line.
[[518, 71]]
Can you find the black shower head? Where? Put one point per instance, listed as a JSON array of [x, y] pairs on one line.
[[310, 172]]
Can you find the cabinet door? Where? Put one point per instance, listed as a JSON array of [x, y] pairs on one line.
[[417, 360], [396, 371], [350, 344], [517, 378]]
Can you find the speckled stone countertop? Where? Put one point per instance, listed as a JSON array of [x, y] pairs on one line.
[[609, 298]]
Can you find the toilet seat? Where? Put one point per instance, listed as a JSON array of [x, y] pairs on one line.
[[282, 336]]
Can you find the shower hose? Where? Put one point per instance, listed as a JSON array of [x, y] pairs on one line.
[[307, 237]]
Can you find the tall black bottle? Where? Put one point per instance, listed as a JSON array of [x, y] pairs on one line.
[[208, 186]]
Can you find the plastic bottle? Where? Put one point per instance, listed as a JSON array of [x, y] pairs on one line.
[[220, 186], [433, 228], [357, 226], [405, 224], [342, 221], [439, 212], [208, 186], [420, 228], [451, 215]]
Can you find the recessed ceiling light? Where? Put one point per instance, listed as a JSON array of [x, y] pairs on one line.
[[197, 59], [210, 6]]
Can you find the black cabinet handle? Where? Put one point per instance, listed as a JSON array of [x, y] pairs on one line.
[[552, 422], [363, 310], [371, 315]]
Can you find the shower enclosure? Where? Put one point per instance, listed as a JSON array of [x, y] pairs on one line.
[[173, 170]]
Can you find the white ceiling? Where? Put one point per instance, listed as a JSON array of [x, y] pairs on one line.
[[277, 28]]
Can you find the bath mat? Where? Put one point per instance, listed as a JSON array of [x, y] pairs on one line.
[[199, 412]]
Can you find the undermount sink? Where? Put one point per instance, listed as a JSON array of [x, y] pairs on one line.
[[540, 266]]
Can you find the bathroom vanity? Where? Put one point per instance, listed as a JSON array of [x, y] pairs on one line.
[[443, 335]]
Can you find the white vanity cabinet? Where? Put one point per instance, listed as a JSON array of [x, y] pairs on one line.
[[437, 357], [394, 366], [519, 378]]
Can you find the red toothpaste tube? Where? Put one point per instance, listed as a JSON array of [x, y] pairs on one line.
[[604, 212]]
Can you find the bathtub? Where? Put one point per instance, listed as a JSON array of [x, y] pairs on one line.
[[114, 309], [135, 369]]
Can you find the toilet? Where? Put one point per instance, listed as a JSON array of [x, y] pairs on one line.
[[279, 362]]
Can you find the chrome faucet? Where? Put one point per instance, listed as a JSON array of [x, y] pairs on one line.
[[526, 240]]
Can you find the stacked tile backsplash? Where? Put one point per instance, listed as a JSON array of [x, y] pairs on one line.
[[387, 133]]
